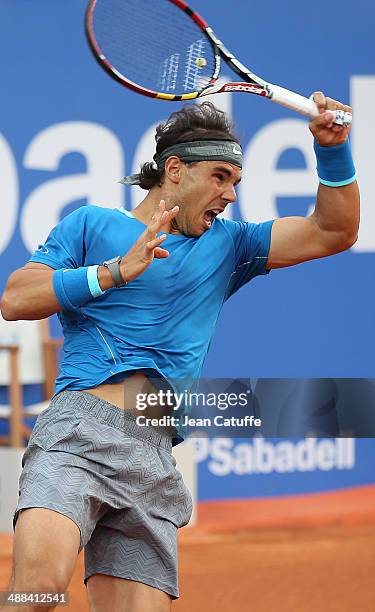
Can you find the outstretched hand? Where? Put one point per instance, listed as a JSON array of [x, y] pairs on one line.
[[142, 253], [325, 132]]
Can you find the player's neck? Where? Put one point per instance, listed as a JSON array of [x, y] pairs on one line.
[[145, 210]]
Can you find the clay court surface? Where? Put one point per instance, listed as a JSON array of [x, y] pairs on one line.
[[316, 553]]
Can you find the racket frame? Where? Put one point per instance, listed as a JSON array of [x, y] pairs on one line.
[[251, 82]]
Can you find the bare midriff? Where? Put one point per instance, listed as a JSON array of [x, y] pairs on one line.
[[125, 393]]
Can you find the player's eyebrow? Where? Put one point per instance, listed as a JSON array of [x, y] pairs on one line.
[[226, 171]]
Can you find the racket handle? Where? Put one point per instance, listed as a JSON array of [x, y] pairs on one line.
[[303, 105]]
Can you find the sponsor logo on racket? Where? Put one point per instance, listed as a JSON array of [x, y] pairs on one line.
[[251, 88]]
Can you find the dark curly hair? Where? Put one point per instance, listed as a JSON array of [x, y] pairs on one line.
[[192, 122]]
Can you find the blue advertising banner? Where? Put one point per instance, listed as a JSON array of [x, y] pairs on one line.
[[234, 468]]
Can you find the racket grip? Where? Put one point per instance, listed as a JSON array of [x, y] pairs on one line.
[[303, 105]]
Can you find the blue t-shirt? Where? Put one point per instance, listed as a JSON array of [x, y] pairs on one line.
[[162, 322]]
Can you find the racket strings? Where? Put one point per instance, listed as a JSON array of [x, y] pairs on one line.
[[159, 47]]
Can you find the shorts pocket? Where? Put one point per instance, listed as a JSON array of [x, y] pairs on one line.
[[54, 427]]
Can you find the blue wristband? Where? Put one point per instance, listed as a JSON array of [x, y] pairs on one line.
[[92, 279], [335, 164], [71, 288]]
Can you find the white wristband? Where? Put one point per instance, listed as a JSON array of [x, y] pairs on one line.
[[92, 279]]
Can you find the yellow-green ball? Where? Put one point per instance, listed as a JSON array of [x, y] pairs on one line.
[[201, 62]]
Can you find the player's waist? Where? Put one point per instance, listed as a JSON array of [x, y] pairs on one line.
[[136, 394]]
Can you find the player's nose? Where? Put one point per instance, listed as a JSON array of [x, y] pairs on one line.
[[230, 194]]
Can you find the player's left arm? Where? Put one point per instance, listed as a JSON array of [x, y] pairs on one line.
[[333, 225]]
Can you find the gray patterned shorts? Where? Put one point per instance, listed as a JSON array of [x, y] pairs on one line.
[[91, 462]]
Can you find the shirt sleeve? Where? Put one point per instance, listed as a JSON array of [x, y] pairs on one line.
[[252, 243], [65, 245]]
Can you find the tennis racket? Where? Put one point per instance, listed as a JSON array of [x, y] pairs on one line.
[[163, 49]]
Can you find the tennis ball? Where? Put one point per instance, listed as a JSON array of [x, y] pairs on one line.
[[201, 62]]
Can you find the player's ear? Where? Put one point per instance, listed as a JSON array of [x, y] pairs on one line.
[[173, 169]]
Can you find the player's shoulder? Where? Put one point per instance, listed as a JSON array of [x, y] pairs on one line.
[[227, 230], [238, 227], [90, 214], [230, 226], [95, 211], [246, 231], [88, 220]]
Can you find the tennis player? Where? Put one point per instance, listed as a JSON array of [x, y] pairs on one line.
[[138, 296]]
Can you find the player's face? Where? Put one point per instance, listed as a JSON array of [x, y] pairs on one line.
[[204, 191]]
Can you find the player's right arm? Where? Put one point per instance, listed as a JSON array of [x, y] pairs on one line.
[[29, 293]]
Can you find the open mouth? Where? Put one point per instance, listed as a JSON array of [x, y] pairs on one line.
[[209, 217]]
